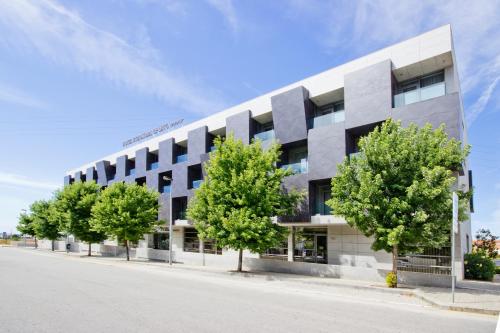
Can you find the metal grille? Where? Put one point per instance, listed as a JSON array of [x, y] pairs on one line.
[[431, 261]]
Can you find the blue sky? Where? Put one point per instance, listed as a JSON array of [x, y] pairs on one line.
[[77, 78]]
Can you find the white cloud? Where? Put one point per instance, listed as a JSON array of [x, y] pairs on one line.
[[14, 96], [64, 37], [363, 26], [23, 181], [226, 8]]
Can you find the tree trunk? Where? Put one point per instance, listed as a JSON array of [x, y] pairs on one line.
[[90, 249], [395, 262], [126, 246], [52, 245], [36, 244], [240, 260]]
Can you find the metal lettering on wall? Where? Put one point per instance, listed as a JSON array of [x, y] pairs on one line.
[[154, 132]]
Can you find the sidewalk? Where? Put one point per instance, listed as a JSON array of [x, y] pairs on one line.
[[466, 300]]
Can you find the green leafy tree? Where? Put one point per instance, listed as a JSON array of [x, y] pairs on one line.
[[241, 191], [26, 226], [486, 242], [126, 212], [46, 220], [398, 189], [75, 202]]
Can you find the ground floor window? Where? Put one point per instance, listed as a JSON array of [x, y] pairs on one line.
[[280, 252], [210, 246], [192, 243], [160, 241], [311, 245]]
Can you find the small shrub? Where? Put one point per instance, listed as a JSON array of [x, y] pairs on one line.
[[479, 266], [497, 270], [391, 279]]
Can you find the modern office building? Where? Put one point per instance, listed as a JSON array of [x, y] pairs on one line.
[[318, 121]]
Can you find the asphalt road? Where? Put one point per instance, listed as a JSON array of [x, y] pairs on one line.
[[43, 292]]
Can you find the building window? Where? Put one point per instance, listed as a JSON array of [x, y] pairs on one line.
[[180, 154], [421, 89], [311, 245], [210, 247], [179, 208], [160, 241], [295, 158], [264, 132], [322, 195], [191, 241], [328, 114], [279, 253]]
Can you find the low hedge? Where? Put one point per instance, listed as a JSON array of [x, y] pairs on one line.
[[478, 266]]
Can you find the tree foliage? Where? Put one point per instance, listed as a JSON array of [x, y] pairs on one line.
[[46, 220], [486, 242], [126, 211], [241, 192], [398, 189], [26, 225], [75, 202]]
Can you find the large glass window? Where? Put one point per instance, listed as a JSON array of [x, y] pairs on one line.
[[280, 252], [296, 159], [191, 241], [311, 245], [210, 247], [323, 194], [328, 114], [160, 241], [420, 89]]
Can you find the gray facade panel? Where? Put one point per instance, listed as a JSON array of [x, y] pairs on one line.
[[164, 209], [326, 148], [141, 162], [78, 176], [102, 172], [368, 94], [67, 180], [197, 144], [180, 180], [436, 111], [166, 154], [152, 180], [291, 110], [241, 126], [91, 174], [121, 167]]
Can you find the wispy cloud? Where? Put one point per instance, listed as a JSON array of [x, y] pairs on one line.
[[64, 37], [226, 8], [15, 96], [23, 181], [358, 27]]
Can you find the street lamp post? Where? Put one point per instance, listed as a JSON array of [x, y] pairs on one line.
[[170, 222]]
